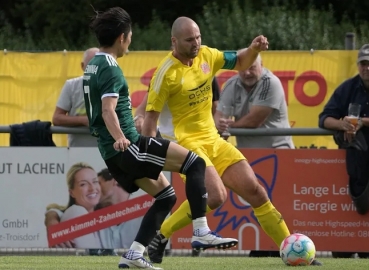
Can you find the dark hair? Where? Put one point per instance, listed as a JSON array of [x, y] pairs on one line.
[[105, 174], [109, 25]]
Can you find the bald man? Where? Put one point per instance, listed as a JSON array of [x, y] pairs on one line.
[[70, 109], [183, 82]]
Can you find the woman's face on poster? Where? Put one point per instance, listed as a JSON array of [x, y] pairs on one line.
[[86, 190]]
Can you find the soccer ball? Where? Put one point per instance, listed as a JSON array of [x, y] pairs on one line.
[[297, 249]]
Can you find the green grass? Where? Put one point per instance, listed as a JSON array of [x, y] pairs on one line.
[[170, 263]]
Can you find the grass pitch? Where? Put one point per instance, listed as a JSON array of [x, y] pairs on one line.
[[170, 263]]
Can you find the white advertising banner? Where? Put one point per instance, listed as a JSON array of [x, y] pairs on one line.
[[33, 178]]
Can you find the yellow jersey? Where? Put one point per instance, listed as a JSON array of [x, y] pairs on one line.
[[186, 90]]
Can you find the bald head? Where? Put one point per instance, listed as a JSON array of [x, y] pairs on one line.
[[186, 39], [87, 56], [181, 25]]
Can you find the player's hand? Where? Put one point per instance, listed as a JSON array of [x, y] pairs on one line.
[[139, 123], [260, 43], [121, 144]]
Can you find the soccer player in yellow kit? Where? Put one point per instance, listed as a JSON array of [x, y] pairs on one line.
[[183, 82]]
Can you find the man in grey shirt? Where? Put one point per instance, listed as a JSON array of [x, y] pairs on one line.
[[70, 110], [258, 99]]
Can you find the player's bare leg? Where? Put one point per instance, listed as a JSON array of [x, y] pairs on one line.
[[217, 193], [203, 238], [179, 159], [241, 179]]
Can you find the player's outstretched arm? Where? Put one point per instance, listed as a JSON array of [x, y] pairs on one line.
[[246, 57]]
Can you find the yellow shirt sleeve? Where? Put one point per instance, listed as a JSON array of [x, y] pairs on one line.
[[158, 92], [217, 59], [221, 60]]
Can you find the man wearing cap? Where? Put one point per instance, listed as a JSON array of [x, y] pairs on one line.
[[355, 139]]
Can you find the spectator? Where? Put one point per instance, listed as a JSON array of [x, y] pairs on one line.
[[334, 117], [70, 110], [258, 99]]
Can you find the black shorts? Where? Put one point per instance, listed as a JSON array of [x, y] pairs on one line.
[[145, 158]]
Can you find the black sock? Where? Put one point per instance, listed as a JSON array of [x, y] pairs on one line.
[[154, 217], [194, 169]]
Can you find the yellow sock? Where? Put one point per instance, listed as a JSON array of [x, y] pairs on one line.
[[272, 222], [178, 220]]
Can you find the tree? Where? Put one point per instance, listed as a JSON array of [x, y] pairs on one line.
[[226, 24]]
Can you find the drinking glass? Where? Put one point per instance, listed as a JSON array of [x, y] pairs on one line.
[[227, 113], [353, 115]]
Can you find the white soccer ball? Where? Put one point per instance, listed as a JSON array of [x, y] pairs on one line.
[[297, 249]]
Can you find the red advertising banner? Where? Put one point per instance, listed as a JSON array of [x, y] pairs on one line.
[[309, 188]]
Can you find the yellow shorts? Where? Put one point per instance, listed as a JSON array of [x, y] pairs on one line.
[[221, 154]]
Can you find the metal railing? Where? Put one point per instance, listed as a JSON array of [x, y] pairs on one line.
[[233, 131]]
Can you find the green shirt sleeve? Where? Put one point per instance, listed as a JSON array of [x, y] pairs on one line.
[[230, 59]]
